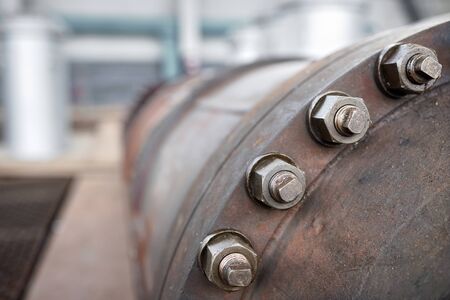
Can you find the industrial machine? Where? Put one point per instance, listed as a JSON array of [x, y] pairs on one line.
[[285, 179]]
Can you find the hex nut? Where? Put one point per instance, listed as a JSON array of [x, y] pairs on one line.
[[265, 170], [336, 118], [407, 69], [216, 249]]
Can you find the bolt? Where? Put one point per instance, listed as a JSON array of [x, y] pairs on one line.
[[235, 270], [407, 69], [228, 260], [336, 118], [276, 181], [350, 120], [424, 68], [285, 187]]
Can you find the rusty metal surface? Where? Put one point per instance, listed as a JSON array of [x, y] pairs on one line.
[[150, 114], [179, 158], [361, 224], [27, 209], [377, 224]]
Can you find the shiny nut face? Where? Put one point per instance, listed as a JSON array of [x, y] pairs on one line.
[[350, 120], [228, 260], [407, 69], [285, 187], [236, 270], [336, 118], [274, 180], [424, 68]]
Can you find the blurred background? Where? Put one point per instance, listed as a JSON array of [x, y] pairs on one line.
[[105, 53], [69, 72]]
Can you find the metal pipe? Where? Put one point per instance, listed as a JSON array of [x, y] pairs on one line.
[[189, 34]]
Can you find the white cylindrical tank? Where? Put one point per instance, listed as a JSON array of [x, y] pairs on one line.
[[315, 28], [35, 87]]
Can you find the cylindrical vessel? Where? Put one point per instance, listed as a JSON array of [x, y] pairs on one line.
[[373, 221], [322, 27], [35, 94]]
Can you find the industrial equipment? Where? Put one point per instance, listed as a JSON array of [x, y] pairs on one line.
[[291, 180]]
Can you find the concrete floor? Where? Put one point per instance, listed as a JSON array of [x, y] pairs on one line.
[[87, 257]]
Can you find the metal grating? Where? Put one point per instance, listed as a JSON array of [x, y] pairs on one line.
[[27, 209]]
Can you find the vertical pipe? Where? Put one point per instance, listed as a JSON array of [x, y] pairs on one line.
[[171, 62], [189, 31], [35, 94]]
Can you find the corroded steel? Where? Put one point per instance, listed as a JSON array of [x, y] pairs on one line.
[[374, 221], [275, 180], [228, 260], [336, 118], [406, 68]]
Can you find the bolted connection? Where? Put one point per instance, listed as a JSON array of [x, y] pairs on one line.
[[236, 270], [350, 120], [423, 68], [285, 187], [407, 69], [228, 260], [336, 118], [274, 180]]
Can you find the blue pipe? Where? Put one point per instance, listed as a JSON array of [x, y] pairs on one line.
[[164, 29]]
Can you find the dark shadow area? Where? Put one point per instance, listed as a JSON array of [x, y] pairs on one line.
[[28, 207]]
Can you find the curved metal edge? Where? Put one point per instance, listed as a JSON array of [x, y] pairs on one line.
[[183, 278]]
